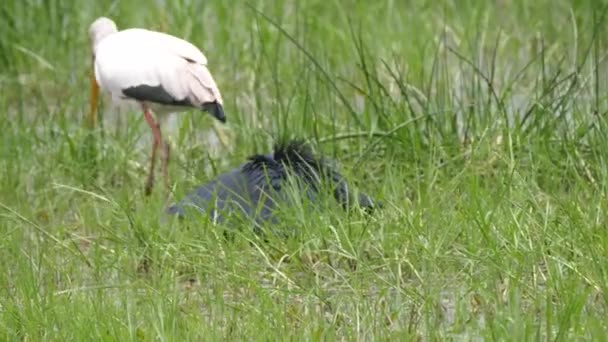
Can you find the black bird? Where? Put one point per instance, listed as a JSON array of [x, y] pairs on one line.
[[260, 186]]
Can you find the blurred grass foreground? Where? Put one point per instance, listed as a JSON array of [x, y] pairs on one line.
[[481, 126]]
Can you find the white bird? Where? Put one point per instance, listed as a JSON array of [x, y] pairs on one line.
[[163, 73]]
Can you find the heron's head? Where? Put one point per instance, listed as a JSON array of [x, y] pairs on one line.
[[99, 29]]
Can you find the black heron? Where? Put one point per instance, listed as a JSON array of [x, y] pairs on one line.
[[259, 187]]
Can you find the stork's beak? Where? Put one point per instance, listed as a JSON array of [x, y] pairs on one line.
[[93, 99]]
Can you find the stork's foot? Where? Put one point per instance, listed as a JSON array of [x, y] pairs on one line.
[[150, 179], [149, 185], [166, 150]]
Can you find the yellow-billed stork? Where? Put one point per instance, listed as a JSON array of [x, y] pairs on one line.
[[163, 73]]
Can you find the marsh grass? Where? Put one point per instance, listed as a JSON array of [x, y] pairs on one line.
[[481, 126]]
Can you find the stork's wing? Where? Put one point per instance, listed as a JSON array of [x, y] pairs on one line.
[[156, 67], [188, 81], [183, 69]]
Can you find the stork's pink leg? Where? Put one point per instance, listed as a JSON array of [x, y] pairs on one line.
[[157, 141]]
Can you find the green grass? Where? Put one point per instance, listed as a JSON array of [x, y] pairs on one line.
[[480, 125]]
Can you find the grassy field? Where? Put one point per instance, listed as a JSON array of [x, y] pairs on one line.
[[480, 125]]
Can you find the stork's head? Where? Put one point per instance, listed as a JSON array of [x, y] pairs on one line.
[[99, 29]]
